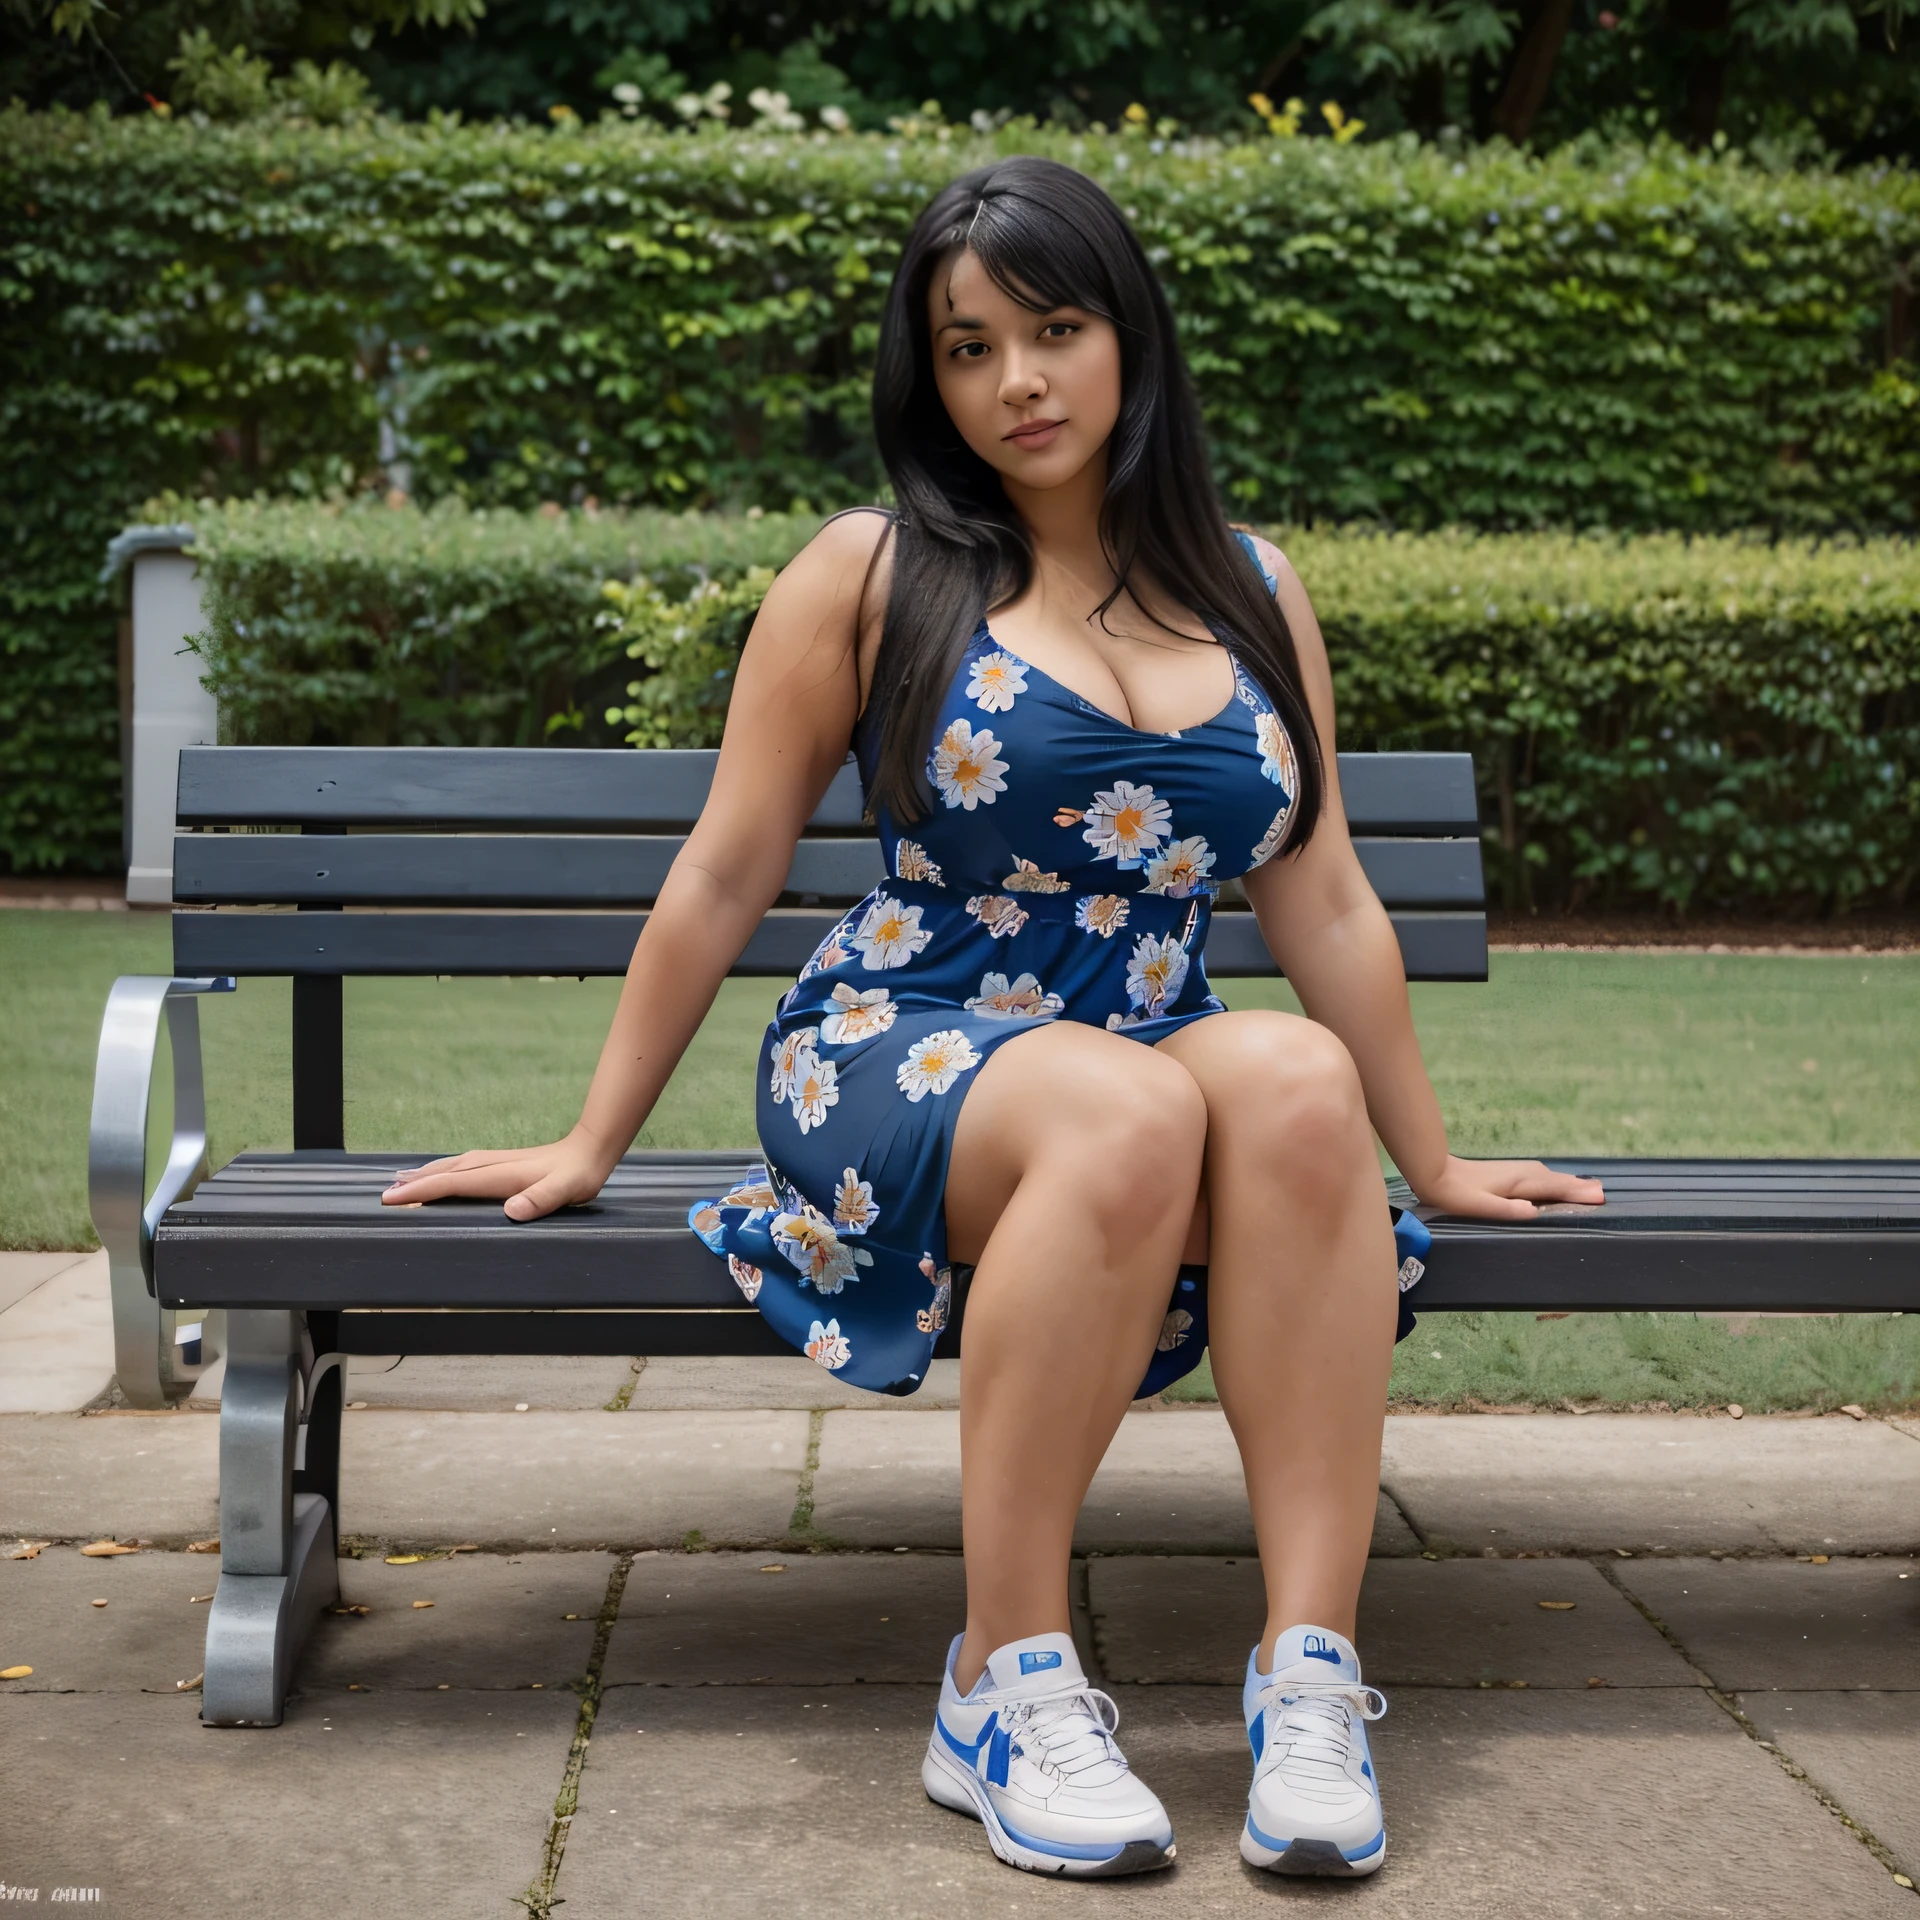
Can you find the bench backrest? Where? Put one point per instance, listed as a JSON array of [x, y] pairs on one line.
[[541, 860]]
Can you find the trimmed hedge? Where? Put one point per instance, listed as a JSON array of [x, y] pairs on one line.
[[1619, 337], [1716, 722]]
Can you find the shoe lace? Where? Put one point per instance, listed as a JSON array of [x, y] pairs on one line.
[[1067, 1731], [1311, 1730]]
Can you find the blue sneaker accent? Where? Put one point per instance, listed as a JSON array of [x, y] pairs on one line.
[[1065, 1849], [999, 1753], [1038, 1662], [969, 1752], [1321, 1653], [1351, 1855]]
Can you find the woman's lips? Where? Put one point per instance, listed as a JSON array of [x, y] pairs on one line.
[[1030, 439]]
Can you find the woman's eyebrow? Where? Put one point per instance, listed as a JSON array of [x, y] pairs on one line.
[[963, 325]]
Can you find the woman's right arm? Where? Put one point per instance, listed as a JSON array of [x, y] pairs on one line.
[[791, 716]]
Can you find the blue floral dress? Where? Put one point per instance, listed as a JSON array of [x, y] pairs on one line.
[[1065, 872]]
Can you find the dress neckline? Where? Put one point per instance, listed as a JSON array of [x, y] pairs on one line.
[[1113, 719]]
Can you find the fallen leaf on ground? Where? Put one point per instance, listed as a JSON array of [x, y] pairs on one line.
[[466, 1546], [187, 1686], [1594, 1681], [99, 1603], [1859, 1413], [14, 1673], [1559, 1606], [418, 1604], [198, 1599], [1550, 1316], [29, 1549], [1735, 1411], [1818, 1559], [354, 1609], [101, 1549], [404, 1559], [203, 1546], [575, 1616], [774, 1569]]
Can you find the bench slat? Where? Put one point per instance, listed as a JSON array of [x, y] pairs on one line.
[[307, 1230], [1433, 946], [550, 870], [584, 789]]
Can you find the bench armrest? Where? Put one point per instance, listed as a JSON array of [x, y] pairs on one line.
[[124, 1215]]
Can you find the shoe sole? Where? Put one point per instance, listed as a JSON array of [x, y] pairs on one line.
[[1309, 1859], [947, 1786]]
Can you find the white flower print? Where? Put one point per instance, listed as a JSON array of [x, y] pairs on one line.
[[910, 862], [754, 1194], [787, 1056], [964, 767], [815, 1089], [1026, 877], [934, 1063], [1270, 840], [1173, 1330], [997, 677], [1276, 753], [1101, 913], [889, 934], [747, 1279], [1181, 870], [829, 953], [828, 1346], [1156, 972], [1244, 688], [1001, 914], [853, 1208], [933, 1319], [861, 1015], [1126, 823], [814, 1249], [1025, 999]]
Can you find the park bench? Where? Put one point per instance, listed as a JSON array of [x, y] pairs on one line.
[[481, 861]]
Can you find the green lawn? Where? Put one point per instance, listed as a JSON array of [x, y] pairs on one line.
[[1560, 1053]]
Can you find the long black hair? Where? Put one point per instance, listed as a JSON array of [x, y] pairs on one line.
[[1049, 237]]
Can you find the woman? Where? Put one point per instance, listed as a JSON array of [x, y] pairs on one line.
[[1007, 1058]]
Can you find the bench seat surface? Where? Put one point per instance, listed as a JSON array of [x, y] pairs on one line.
[[307, 1230]]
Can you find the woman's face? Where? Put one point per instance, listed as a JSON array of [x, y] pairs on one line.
[[1035, 395]]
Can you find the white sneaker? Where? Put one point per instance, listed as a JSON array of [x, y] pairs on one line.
[[1029, 1753], [1314, 1807]]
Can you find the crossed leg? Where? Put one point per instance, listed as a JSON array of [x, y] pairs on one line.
[[1083, 1166]]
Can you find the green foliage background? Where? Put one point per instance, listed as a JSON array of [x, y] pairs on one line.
[[1610, 337], [1722, 721]]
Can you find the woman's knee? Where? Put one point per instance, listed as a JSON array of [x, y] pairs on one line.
[[1288, 1088]]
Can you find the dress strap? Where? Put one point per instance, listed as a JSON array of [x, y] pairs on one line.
[[1253, 554]]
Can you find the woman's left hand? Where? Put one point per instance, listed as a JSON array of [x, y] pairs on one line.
[[1505, 1189]]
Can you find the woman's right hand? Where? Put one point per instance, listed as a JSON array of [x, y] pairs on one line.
[[531, 1180]]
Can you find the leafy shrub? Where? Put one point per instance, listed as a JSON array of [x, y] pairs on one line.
[[1607, 337], [1654, 720], [375, 627]]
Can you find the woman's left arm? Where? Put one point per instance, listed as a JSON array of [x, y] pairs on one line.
[[1333, 940]]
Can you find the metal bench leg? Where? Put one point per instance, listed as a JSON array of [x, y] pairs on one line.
[[277, 1552]]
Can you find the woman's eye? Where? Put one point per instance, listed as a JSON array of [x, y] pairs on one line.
[[970, 350], [1058, 329]]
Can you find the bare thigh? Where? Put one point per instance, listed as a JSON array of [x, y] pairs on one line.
[[1116, 1122]]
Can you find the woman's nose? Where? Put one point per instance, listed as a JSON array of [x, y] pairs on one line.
[[1021, 384]]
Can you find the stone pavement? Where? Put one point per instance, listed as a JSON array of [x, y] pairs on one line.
[[683, 1662]]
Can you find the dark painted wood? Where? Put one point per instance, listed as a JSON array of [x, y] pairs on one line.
[[726, 1331], [607, 870], [480, 870], [307, 1230], [1433, 946], [612, 791]]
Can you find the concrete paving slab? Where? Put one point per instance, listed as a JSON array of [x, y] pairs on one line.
[[1863, 1749], [430, 1804], [1171, 1480], [571, 1479], [148, 1636], [56, 1342], [489, 1382], [1503, 1806], [20, 1273], [496, 1621], [132, 1476], [826, 1618], [690, 1381], [1755, 1624], [1450, 1623], [1677, 1482]]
